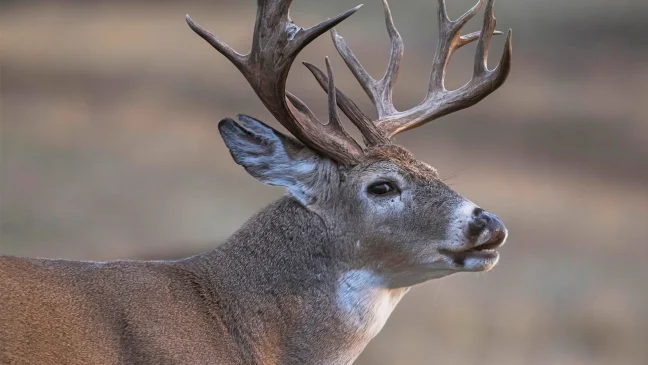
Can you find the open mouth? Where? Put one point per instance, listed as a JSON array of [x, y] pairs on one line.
[[486, 252], [488, 246]]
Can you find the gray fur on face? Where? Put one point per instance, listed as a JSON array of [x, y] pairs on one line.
[[398, 234]]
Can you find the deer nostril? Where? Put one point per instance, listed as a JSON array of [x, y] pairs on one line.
[[477, 212], [479, 221]]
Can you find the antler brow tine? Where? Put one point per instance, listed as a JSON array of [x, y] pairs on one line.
[[372, 135]]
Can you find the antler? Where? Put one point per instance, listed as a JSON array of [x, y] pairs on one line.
[[439, 101], [276, 43]]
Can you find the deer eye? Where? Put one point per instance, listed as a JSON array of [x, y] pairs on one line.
[[381, 188]]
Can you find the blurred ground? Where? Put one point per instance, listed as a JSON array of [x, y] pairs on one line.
[[109, 150]]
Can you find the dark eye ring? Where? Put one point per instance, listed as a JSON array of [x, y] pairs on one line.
[[381, 188]]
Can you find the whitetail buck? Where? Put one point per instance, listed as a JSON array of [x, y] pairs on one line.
[[312, 278]]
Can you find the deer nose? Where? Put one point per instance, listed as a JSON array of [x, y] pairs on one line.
[[486, 227]]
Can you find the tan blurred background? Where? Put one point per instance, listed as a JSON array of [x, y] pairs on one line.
[[109, 149]]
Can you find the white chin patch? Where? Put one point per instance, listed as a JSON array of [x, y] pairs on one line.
[[480, 263]]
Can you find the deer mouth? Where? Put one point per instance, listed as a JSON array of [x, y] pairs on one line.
[[480, 257], [488, 246], [479, 252]]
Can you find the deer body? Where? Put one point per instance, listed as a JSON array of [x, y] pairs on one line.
[[243, 303], [313, 277]]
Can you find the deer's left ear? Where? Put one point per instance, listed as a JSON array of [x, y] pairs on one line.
[[277, 159]]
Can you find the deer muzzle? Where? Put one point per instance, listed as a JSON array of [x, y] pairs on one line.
[[485, 230]]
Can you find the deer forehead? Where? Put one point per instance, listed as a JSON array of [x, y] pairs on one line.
[[395, 158]]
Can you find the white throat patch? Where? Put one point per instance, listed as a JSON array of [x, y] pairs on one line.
[[365, 302]]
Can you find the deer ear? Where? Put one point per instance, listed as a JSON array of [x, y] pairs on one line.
[[273, 157]]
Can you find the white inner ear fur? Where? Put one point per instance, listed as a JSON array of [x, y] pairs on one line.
[[266, 158], [279, 169]]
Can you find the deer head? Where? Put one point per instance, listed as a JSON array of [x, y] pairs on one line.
[[388, 211]]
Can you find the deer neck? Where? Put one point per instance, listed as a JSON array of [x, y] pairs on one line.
[[290, 292]]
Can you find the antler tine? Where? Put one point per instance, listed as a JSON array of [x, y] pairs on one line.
[[236, 58], [396, 54], [448, 43], [481, 55], [334, 117], [327, 82], [471, 37], [276, 43], [372, 135], [379, 91]]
